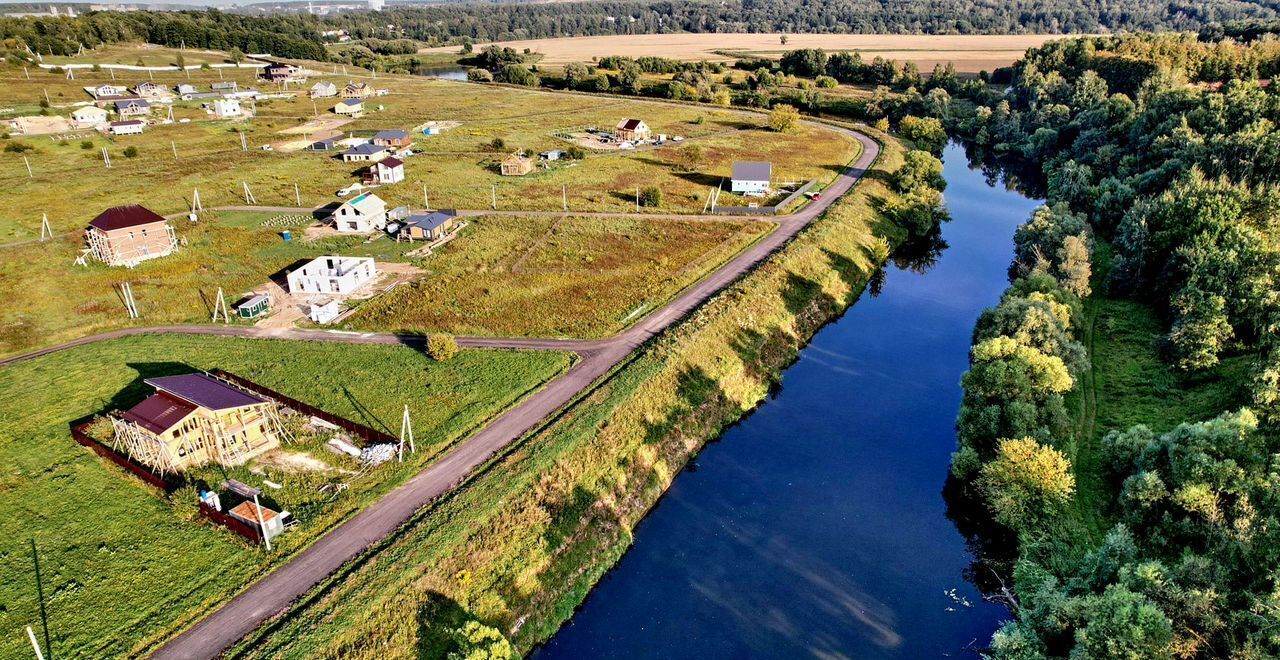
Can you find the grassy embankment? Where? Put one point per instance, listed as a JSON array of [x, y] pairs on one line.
[[106, 540], [1131, 383], [519, 546]]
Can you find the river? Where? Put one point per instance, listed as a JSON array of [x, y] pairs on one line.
[[817, 526]]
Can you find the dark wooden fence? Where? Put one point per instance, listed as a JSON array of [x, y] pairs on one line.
[[357, 430], [234, 524], [168, 485]]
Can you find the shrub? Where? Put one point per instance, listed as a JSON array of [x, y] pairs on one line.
[[18, 147], [442, 347], [479, 75], [1027, 483], [827, 82], [86, 144], [783, 118], [575, 153], [651, 196], [131, 152]]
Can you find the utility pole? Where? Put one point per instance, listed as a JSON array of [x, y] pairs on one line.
[[130, 305], [30, 175], [244, 144], [297, 195], [220, 306], [195, 202], [106, 159], [637, 199], [34, 644], [426, 199], [495, 197], [248, 194], [564, 197], [406, 430], [44, 616], [46, 232], [174, 146], [262, 527]]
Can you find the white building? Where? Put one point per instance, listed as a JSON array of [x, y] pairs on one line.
[[127, 127], [751, 178], [332, 275], [107, 89], [326, 312], [349, 108], [376, 5], [224, 108], [323, 89], [387, 171], [361, 214], [88, 116]]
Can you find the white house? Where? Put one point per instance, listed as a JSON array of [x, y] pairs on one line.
[[150, 89], [127, 127], [367, 152], [751, 178], [89, 115], [323, 90], [361, 214], [332, 275], [632, 130], [325, 312], [224, 108], [109, 90], [387, 171], [349, 108], [186, 89]]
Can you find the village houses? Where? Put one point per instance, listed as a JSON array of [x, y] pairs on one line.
[[323, 90], [133, 108], [632, 130], [129, 235], [386, 171], [332, 275], [367, 152], [88, 116], [360, 214], [127, 127], [225, 108], [392, 138], [429, 227], [353, 108], [516, 165], [358, 90]]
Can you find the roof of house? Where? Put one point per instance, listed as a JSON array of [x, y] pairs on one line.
[[361, 202], [89, 108], [123, 217], [751, 170], [146, 83], [254, 301], [124, 103], [357, 85], [159, 412], [204, 391], [326, 143], [350, 102], [516, 158], [395, 134], [324, 83], [431, 220], [390, 161], [630, 124], [368, 148], [249, 511], [129, 122], [230, 84]]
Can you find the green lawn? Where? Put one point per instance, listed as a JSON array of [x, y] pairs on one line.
[[120, 567]]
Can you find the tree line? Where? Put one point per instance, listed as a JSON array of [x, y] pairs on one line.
[[1164, 147]]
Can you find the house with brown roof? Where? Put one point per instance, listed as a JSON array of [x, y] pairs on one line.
[[129, 235], [516, 165], [394, 138], [194, 419], [357, 90], [385, 172], [632, 129]]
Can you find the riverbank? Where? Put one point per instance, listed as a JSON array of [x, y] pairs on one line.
[[519, 547]]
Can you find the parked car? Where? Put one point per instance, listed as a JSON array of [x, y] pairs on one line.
[[355, 187]]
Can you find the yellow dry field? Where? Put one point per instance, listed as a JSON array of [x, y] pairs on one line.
[[970, 53]]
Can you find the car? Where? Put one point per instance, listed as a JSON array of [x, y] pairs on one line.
[[355, 187], [267, 147]]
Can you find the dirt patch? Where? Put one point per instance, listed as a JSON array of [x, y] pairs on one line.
[[43, 125], [315, 126], [288, 461]]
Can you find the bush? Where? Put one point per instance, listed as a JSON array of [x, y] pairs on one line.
[[18, 147], [131, 152], [442, 347], [575, 153], [479, 75], [827, 82], [651, 196], [784, 118], [86, 144]]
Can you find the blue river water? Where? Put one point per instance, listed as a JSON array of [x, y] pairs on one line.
[[817, 526]]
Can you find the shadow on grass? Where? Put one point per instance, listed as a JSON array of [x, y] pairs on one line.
[[137, 389], [693, 388]]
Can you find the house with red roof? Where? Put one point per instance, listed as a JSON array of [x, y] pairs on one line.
[[129, 235], [194, 419]]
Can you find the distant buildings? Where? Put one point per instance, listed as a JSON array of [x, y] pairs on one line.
[[187, 89], [751, 178], [333, 275], [133, 108], [392, 138], [129, 235], [107, 89]]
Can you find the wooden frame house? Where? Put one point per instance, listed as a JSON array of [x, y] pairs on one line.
[[516, 165], [193, 419]]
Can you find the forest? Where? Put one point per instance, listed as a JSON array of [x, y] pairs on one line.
[[1158, 152]]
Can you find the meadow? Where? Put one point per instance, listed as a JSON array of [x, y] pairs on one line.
[[519, 546], [563, 277], [970, 53], [105, 539], [146, 54]]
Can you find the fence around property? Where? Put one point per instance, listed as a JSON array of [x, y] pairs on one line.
[[357, 430], [125, 462], [765, 210]]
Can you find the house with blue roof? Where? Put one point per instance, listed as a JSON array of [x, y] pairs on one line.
[[366, 153]]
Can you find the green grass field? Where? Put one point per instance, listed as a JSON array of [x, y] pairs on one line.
[[519, 547], [573, 277], [147, 54], [120, 567]]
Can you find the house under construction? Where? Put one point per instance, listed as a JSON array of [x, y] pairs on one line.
[[193, 419], [129, 235]]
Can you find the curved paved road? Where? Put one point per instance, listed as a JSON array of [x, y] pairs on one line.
[[274, 593]]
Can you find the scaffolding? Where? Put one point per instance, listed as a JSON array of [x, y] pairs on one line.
[[126, 251]]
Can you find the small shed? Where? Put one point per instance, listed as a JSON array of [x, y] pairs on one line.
[[327, 144], [516, 165], [268, 523], [254, 307], [751, 178], [551, 155]]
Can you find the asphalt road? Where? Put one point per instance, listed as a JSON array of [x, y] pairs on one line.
[[274, 593]]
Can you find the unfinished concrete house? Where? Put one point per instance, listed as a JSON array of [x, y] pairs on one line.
[[332, 275]]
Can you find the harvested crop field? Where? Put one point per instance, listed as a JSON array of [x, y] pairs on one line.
[[970, 53]]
